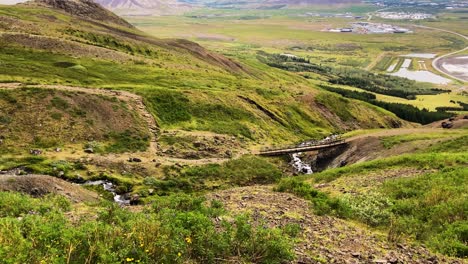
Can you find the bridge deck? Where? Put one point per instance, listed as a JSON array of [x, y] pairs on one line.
[[288, 150]]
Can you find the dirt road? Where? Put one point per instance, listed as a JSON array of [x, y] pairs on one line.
[[436, 62]]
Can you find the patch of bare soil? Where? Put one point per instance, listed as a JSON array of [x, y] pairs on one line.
[[200, 145], [208, 56], [324, 239], [65, 46], [456, 122], [369, 146], [364, 182], [40, 185], [359, 150]]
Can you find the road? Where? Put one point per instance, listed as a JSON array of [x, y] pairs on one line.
[[435, 62]]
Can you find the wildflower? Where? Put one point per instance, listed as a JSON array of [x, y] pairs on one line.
[[189, 240], [130, 259], [179, 254], [147, 250], [141, 245]]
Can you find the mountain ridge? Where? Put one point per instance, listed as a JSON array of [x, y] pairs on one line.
[[87, 9]]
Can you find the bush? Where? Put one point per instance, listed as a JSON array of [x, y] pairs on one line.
[[371, 209], [127, 141], [181, 229], [322, 203], [245, 171]]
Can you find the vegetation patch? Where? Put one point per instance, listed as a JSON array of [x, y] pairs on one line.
[[35, 230], [127, 141], [245, 171], [322, 203], [403, 111]]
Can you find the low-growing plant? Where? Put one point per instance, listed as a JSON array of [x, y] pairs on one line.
[[322, 203], [178, 229]]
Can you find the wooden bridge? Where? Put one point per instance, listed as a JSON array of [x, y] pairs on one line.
[[324, 144]]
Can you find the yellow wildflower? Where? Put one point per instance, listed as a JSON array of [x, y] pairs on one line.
[[189, 240], [129, 259], [179, 254]]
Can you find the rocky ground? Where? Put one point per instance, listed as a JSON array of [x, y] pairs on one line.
[[40, 185], [323, 239]]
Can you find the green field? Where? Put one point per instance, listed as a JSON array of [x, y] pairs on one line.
[[276, 31]]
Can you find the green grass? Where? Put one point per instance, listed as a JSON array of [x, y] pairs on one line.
[[245, 171], [40, 230], [429, 207], [127, 141], [420, 161], [48, 118], [391, 141], [321, 203]]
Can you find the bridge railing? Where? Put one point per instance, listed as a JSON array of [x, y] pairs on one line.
[[304, 145]]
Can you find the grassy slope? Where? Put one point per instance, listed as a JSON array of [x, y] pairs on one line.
[[44, 118], [419, 195], [286, 31], [109, 56]]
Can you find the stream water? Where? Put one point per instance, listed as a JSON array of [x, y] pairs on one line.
[[299, 165], [109, 187]]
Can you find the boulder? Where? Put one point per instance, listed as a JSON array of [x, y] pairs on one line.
[[89, 150], [35, 152], [135, 199]]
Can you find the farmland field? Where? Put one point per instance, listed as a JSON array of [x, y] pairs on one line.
[[243, 33]]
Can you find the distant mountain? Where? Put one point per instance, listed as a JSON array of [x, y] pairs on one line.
[[145, 7], [151, 7], [272, 3], [304, 2]]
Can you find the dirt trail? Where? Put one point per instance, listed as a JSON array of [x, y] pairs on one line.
[[136, 103], [369, 146], [396, 132], [375, 61], [436, 63]]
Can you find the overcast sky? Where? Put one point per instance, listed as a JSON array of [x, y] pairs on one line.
[[10, 2]]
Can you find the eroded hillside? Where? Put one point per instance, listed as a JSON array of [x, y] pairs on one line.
[[43, 43], [119, 118]]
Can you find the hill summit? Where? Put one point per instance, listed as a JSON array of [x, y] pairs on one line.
[[86, 9]]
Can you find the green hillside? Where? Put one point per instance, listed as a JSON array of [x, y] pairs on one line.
[[121, 147]]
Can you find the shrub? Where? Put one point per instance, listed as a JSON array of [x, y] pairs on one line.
[[181, 229], [245, 171], [127, 141], [322, 203], [372, 209]]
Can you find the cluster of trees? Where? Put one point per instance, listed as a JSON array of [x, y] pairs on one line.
[[363, 96], [403, 111], [382, 84], [292, 63], [376, 83]]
